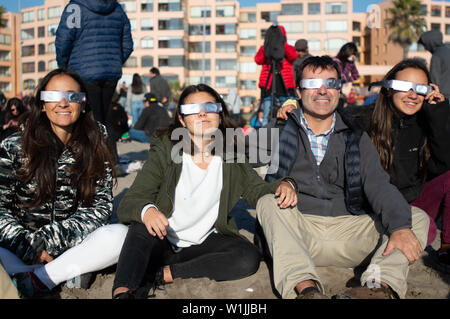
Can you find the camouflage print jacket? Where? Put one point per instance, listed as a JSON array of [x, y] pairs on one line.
[[55, 226]]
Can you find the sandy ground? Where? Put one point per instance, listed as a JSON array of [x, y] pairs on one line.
[[424, 282]]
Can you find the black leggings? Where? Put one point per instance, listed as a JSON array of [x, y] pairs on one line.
[[219, 258]]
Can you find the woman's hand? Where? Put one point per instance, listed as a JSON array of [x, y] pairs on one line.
[[434, 96], [287, 107], [286, 195], [44, 257], [156, 222]]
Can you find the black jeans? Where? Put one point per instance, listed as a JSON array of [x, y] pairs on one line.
[[100, 95], [219, 258]]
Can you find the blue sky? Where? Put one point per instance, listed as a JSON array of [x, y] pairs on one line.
[[12, 5]]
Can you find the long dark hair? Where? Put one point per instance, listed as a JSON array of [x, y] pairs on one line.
[[42, 148], [381, 124], [137, 86], [225, 118], [346, 51]]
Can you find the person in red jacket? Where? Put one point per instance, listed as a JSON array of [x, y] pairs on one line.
[[282, 91]]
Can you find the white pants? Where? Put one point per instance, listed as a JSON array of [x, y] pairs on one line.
[[97, 251]]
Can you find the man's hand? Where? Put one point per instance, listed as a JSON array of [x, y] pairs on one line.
[[44, 257], [405, 241], [156, 222], [283, 111], [286, 195]]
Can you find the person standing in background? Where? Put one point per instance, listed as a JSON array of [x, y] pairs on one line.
[[301, 46], [159, 87]]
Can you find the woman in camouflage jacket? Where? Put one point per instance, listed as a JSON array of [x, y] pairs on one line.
[[56, 190]]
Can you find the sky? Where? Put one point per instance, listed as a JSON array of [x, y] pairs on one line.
[[12, 5]]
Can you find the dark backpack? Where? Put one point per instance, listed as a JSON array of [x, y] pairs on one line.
[[274, 44]]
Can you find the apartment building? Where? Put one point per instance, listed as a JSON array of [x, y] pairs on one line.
[[9, 54], [383, 52]]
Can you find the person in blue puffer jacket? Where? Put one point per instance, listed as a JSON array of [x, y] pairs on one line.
[[94, 40]]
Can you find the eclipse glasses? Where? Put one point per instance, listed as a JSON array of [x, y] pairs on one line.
[[317, 83], [57, 96], [187, 109], [403, 86]]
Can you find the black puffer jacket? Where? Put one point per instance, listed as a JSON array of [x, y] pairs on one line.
[[409, 134]]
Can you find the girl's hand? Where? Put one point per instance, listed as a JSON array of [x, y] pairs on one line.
[[286, 195], [434, 96], [156, 222]]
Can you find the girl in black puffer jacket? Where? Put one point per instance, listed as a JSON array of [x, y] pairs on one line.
[[407, 124]]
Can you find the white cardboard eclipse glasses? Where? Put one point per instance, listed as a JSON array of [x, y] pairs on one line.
[[57, 96], [187, 109], [404, 86], [317, 83]]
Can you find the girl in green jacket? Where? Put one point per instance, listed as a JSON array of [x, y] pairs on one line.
[[178, 205]]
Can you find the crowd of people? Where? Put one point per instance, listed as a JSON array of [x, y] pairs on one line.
[[355, 186]]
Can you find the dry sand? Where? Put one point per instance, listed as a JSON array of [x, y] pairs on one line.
[[424, 282]]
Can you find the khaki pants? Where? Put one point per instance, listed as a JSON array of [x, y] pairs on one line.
[[300, 242], [7, 288]]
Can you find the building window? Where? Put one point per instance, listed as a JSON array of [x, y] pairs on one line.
[[247, 84], [29, 84], [170, 24], [54, 12], [28, 16], [6, 38], [415, 47], [334, 44], [336, 26], [314, 45], [436, 26], [52, 29], [291, 8], [41, 49], [41, 32], [133, 24], [314, 26], [5, 55], [270, 16], [248, 100], [146, 24], [356, 26], [247, 67], [146, 60], [293, 27], [131, 62], [357, 41], [51, 48], [170, 43], [247, 17], [146, 5], [196, 65], [335, 7], [226, 82], [169, 5], [313, 8], [200, 12], [447, 29], [171, 60], [447, 12], [197, 29], [5, 86], [225, 11], [248, 50], [41, 66], [26, 34], [41, 14], [5, 71], [226, 64], [229, 28], [52, 65], [424, 10], [247, 34], [225, 46], [28, 67], [128, 6], [435, 11], [147, 43], [197, 47], [194, 80]]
